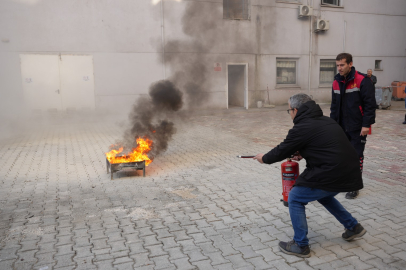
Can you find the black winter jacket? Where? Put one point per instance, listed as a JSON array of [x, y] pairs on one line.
[[373, 79], [332, 164], [353, 103]]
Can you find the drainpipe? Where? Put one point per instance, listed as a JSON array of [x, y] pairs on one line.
[[310, 50], [163, 38], [345, 33]]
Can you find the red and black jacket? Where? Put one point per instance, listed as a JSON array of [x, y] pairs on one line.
[[353, 100]]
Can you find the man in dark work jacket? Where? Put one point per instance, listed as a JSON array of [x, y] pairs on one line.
[[331, 167], [353, 106]]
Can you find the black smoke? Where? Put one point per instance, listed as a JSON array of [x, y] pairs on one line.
[[188, 59], [149, 118], [192, 59]]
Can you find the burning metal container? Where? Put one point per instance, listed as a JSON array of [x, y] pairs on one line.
[[115, 167], [136, 159]]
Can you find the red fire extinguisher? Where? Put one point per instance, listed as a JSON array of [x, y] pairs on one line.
[[290, 172]]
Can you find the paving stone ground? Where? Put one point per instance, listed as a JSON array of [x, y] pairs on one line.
[[199, 207]]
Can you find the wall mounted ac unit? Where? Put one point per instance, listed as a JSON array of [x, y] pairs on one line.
[[321, 25], [305, 11]]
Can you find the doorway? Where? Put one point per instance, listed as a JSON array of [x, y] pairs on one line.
[[58, 82], [237, 85]]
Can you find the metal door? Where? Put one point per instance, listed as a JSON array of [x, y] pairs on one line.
[[77, 81], [41, 84]]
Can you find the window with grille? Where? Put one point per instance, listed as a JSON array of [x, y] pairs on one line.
[[328, 70], [286, 71], [331, 2], [378, 65], [236, 9]]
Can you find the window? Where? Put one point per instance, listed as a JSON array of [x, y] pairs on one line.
[[328, 70], [331, 2], [286, 71], [378, 65], [236, 9]]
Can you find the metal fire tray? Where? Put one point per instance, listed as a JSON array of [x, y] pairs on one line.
[[115, 167]]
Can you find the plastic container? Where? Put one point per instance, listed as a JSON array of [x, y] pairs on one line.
[[259, 104], [378, 95], [398, 90], [383, 96], [387, 93], [386, 97]]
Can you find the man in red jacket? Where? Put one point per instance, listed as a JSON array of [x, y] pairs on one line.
[[353, 106]]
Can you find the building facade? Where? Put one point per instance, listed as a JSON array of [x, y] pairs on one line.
[[104, 54]]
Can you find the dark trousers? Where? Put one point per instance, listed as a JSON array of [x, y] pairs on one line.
[[358, 142]]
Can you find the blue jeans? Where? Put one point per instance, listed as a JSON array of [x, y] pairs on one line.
[[300, 196]]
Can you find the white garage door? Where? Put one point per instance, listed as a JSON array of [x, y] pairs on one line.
[[58, 81]]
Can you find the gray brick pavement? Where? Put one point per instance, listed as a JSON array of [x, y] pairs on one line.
[[198, 207]]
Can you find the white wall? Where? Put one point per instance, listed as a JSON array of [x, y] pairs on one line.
[[124, 37]]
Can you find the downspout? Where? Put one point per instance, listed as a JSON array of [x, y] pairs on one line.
[[345, 33], [310, 50], [163, 38]]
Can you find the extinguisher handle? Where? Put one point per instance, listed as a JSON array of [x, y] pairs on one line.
[[296, 156]]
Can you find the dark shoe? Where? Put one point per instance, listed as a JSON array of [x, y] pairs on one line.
[[292, 248], [404, 122], [352, 195], [357, 231]]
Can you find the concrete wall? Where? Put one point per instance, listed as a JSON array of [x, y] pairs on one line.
[[125, 39]]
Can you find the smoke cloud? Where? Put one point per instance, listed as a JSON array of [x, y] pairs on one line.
[[200, 23], [208, 33], [148, 118]]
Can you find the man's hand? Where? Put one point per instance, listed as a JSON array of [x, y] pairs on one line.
[[296, 156], [259, 158], [364, 131]]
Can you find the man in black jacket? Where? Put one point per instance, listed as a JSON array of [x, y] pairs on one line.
[[331, 167], [353, 106], [372, 77]]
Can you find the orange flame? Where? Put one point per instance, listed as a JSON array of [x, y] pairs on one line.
[[138, 154]]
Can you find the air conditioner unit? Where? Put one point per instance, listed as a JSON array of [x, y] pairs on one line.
[[305, 11], [321, 25]]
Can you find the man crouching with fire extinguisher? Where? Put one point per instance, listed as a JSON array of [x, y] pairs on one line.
[[331, 167]]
